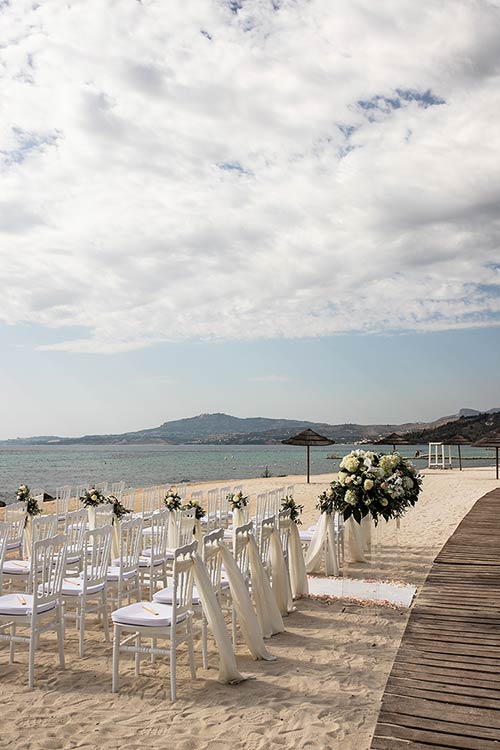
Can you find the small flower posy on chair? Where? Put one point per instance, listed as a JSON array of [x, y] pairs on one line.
[[172, 500], [237, 499], [24, 496]]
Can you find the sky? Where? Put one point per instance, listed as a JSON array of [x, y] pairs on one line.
[[284, 208]]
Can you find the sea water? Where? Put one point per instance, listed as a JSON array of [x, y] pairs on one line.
[[49, 466]]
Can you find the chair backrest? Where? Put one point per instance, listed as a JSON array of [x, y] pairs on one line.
[[75, 526], [266, 529], [80, 489], [197, 496], [128, 497], [211, 556], [261, 511], [104, 515], [159, 528], [97, 545], [44, 527], [240, 550], [212, 509], [102, 487], [147, 497], [237, 488], [62, 500], [181, 490], [182, 594], [15, 512], [130, 544], [273, 503], [117, 489], [185, 521], [4, 538], [16, 530], [290, 490], [47, 570]]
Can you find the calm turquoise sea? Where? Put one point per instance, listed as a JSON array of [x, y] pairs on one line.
[[47, 467]]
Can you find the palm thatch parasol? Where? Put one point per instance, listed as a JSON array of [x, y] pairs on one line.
[[308, 438], [458, 440], [392, 439], [491, 440]]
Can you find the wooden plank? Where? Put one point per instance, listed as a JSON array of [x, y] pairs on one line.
[[443, 692]]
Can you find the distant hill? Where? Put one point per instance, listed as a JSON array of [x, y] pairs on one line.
[[472, 427], [224, 429]]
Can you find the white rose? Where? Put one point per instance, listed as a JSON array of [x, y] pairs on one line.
[[368, 485], [384, 502], [342, 477], [329, 492], [348, 480], [94, 497], [352, 464], [350, 498]]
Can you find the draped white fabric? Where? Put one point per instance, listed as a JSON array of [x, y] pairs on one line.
[[198, 533], [356, 541], [296, 564], [268, 614], [115, 539], [323, 545], [172, 530], [91, 515], [239, 517], [280, 584], [228, 671], [249, 624], [366, 526], [28, 537]]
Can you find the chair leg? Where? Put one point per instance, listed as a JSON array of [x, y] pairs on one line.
[[138, 656], [153, 645], [115, 686], [12, 643], [81, 614], [31, 666], [173, 666], [204, 645], [192, 664], [104, 611], [60, 638]]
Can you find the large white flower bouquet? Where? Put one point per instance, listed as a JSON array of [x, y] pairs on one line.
[[370, 483]]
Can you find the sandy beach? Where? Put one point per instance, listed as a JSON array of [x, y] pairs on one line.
[[322, 692]]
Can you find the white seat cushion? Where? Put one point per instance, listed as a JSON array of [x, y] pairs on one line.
[[165, 595], [14, 545], [16, 567], [145, 562], [74, 587], [114, 573], [169, 553], [135, 614], [11, 605], [306, 536]]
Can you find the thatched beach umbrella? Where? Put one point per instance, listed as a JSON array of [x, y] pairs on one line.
[[458, 440], [308, 438], [491, 440], [392, 439]]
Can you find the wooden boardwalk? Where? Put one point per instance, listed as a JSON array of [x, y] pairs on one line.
[[444, 688]]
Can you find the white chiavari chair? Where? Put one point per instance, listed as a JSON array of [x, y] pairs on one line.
[[153, 620], [15, 514], [87, 591], [75, 526], [152, 567], [41, 610], [4, 538], [19, 571], [212, 514], [62, 501], [117, 489], [103, 515], [102, 487], [123, 577], [267, 526]]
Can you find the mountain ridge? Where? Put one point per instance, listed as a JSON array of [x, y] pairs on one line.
[[220, 428]]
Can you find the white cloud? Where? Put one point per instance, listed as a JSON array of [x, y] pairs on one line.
[[285, 170]]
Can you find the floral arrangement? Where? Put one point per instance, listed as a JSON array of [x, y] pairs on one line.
[[92, 498], [370, 483], [119, 510], [237, 499], [172, 500], [24, 496], [199, 512], [288, 503]]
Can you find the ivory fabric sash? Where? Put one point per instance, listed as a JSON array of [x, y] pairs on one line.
[[323, 544], [28, 537], [249, 624], [356, 541], [172, 536], [267, 610], [280, 584], [228, 670], [296, 564]]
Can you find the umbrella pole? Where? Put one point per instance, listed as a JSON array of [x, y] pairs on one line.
[[459, 458], [497, 460], [309, 460]]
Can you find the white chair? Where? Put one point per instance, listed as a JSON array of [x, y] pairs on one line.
[[18, 570], [88, 590], [42, 610], [147, 504], [123, 576], [240, 553], [152, 567], [4, 538], [266, 529], [15, 515], [102, 487], [181, 490], [223, 513], [170, 622], [75, 526], [117, 489], [62, 502], [211, 518]]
